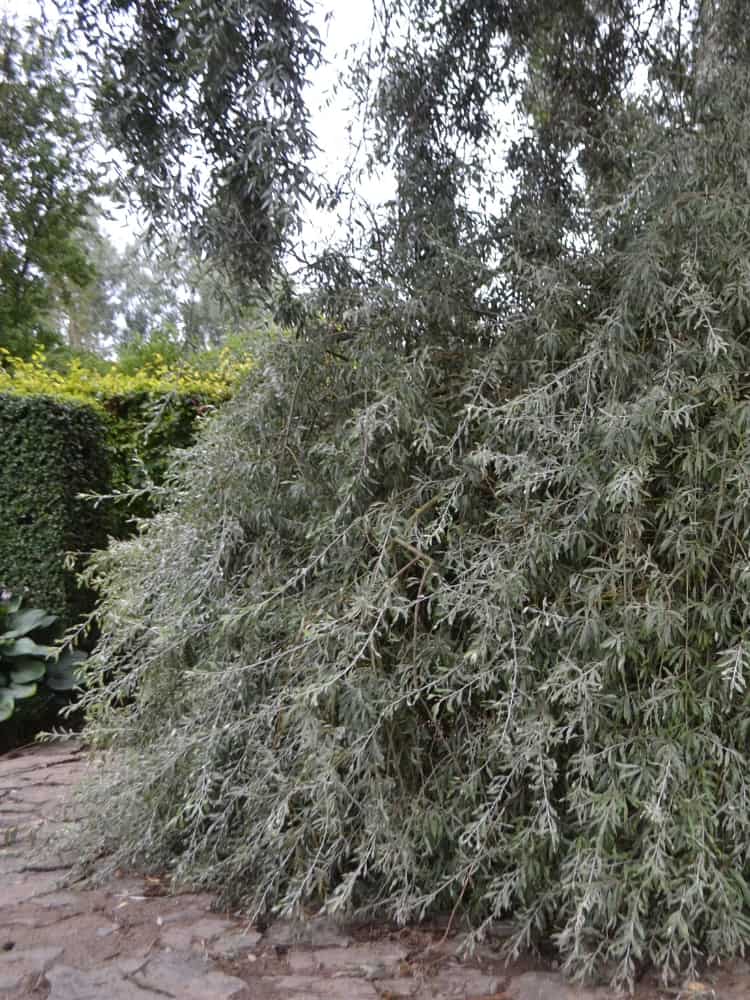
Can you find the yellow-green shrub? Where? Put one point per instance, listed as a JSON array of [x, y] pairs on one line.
[[213, 382], [146, 413]]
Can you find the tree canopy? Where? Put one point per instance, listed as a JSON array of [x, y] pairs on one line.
[[146, 298], [48, 182], [205, 101]]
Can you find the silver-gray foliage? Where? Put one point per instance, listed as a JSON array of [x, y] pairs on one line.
[[469, 627]]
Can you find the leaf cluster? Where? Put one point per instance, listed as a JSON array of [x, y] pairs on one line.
[[30, 671], [205, 102]]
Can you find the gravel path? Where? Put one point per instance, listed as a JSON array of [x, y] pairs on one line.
[[129, 940]]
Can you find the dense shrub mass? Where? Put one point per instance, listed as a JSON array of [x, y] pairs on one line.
[[466, 625], [50, 452]]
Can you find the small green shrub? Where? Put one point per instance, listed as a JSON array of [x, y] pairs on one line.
[[37, 679], [50, 453]]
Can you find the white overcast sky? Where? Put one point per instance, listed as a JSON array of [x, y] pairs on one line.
[[342, 23]]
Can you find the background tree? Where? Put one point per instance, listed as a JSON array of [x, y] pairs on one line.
[[48, 184], [167, 291], [87, 315], [145, 297]]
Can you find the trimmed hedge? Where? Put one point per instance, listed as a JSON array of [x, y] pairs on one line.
[[49, 453], [146, 414]]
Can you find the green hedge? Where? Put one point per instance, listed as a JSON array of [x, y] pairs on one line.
[[143, 429], [49, 453]]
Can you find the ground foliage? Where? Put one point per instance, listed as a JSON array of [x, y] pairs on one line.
[[462, 622], [36, 679]]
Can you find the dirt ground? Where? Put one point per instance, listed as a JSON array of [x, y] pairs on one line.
[[131, 939]]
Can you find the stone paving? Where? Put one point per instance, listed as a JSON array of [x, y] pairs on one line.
[[129, 940]]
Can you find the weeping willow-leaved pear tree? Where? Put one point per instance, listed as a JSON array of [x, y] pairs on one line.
[[449, 609]]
